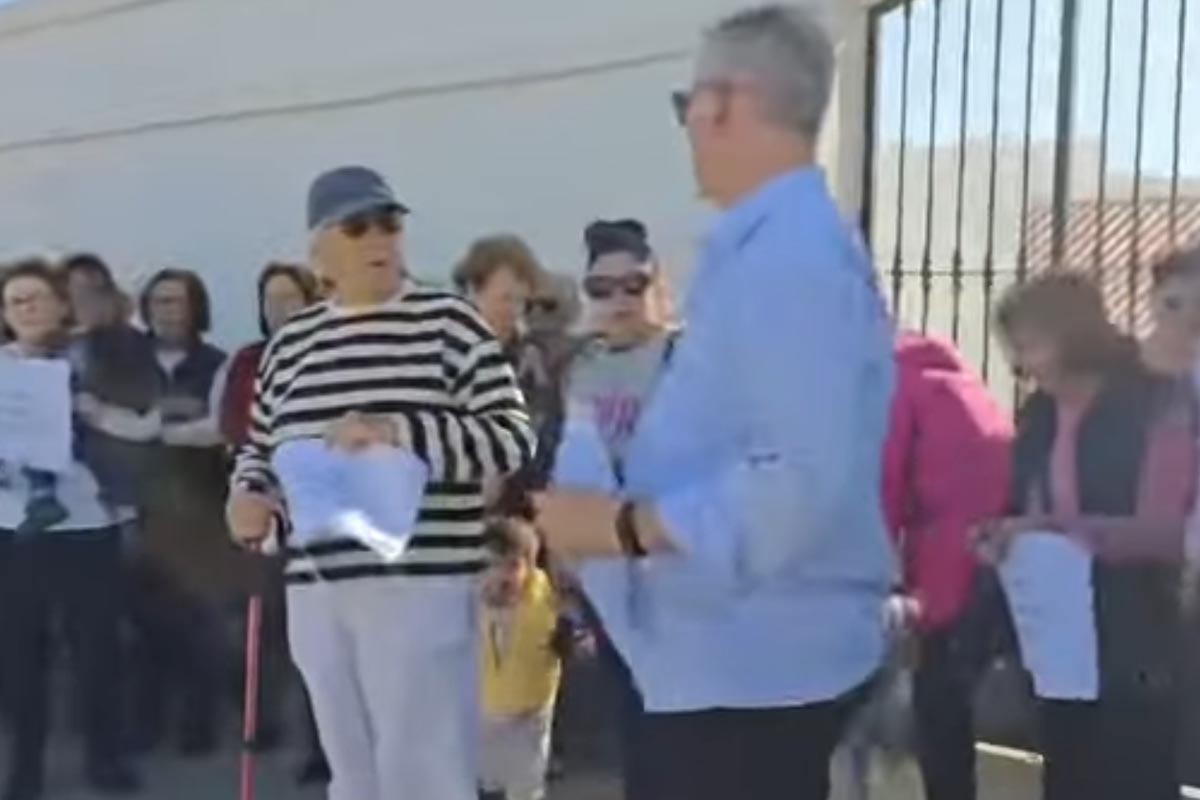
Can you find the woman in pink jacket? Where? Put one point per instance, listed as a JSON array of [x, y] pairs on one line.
[[946, 463]]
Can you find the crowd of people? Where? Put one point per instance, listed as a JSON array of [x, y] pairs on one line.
[[735, 514]]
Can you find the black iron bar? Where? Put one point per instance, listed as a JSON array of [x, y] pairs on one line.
[[989, 257], [927, 257], [898, 257], [1098, 245], [1064, 127], [1139, 147], [956, 258], [1180, 54]]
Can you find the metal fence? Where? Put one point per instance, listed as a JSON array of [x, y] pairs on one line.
[[1008, 137]]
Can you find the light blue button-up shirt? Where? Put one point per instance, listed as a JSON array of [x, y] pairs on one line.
[[760, 451]]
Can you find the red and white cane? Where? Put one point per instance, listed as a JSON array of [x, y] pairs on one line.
[[250, 702]]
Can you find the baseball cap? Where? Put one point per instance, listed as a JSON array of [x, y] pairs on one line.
[[340, 193]]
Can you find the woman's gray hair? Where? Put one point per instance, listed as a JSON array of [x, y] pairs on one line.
[[785, 52]]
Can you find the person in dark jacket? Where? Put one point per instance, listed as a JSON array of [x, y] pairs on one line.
[[187, 571], [1105, 456]]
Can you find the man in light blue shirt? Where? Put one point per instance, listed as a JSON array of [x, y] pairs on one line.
[[749, 517]]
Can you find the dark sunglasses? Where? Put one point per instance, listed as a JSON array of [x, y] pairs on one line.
[[388, 221], [602, 287], [681, 101], [542, 305]]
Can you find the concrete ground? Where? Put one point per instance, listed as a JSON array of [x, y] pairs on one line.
[[170, 778]]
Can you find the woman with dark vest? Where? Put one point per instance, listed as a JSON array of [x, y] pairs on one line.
[[189, 571], [71, 567], [283, 290], [1104, 455]]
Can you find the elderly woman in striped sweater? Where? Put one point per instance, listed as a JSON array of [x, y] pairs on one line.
[[387, 650]]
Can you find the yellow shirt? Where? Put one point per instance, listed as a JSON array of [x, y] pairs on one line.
[[519, 672]]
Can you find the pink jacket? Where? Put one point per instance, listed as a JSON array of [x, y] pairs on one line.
[[945, 469]]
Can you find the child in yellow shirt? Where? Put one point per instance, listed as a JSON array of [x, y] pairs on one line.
[[523, 640]]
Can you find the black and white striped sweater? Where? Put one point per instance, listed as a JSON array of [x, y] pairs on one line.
[[425, 359]]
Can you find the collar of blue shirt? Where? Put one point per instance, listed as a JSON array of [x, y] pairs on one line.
[[736, 224]]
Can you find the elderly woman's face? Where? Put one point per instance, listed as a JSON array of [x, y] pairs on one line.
[[33, 310], [171, 312], [94, 304], [1034, 354], [282, 298], [1177, 310], [361, 257], [501, 300]]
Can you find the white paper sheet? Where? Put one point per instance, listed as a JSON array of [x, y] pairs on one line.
[[35, 413], [1047, 579], [373, 496]]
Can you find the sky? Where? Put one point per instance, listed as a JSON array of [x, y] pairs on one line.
[[1161, 31]]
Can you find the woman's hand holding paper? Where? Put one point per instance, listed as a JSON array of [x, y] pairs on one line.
[[356, 431]]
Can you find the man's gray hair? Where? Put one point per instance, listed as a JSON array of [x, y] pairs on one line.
[[786, 52]]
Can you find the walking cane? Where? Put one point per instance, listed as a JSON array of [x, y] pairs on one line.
[[250, 703]]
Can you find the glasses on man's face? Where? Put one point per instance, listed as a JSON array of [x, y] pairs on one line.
[[681, 101], [385, 221], [603, 287]]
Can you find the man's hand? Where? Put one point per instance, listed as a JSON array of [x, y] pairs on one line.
[[250, 516], [357, 431], [578, 524], [901, 614]]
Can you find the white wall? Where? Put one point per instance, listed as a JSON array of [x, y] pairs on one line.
[[185, 132]]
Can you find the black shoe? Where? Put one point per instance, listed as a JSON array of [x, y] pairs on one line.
[[114, 779], [23, 786], [41, 514], [314, 771]]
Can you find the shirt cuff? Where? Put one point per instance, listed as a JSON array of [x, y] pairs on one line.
[[699, 528]]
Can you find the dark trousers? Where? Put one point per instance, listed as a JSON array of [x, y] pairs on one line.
[[1120, 748], [78, 576], [761, 754], [177, 661], [943, 689], [626, 702]]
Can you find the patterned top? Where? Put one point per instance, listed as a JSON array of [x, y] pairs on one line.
[[426, 360]]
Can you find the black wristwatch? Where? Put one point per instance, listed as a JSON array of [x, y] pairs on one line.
[[627, 532]]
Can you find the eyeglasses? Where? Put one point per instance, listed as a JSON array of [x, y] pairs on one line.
[[387, 221], [603, 287], [681, 101], [542, 305]]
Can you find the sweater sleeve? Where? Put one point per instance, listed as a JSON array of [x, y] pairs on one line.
[[959, 462], [486, 434], [252, 467]]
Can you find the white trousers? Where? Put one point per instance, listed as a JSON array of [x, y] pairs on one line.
[[390, 665], [514, 756]]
